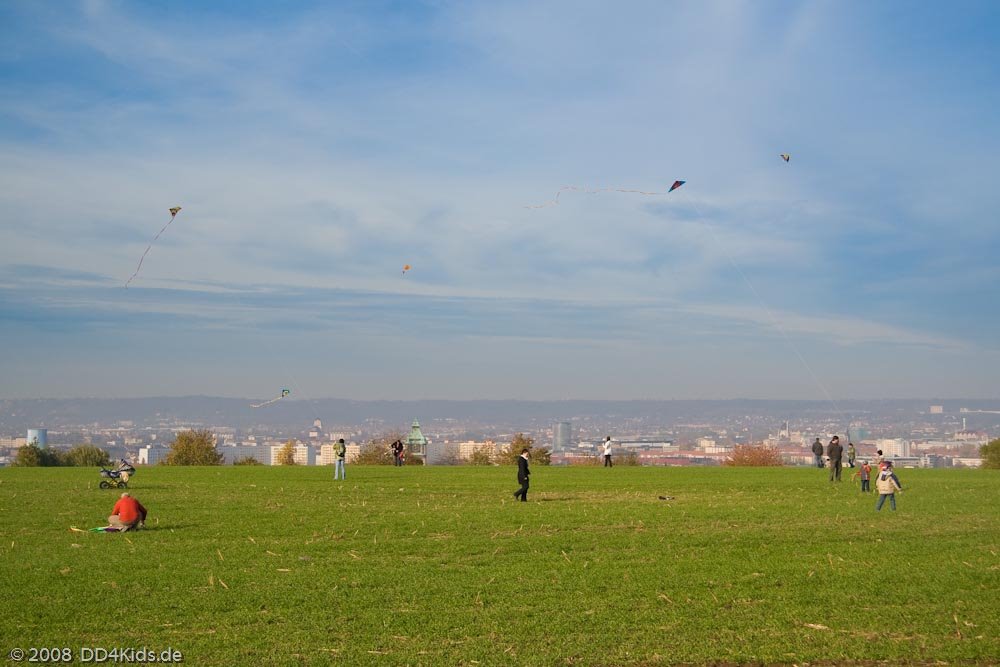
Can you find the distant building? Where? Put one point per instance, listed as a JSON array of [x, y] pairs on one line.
[[232, 454], [893, 447], [152, 454], [470, 447], [327, 455], [704, 443], [415, 442], [652, 445], [38, 436], [302, 454], [857, 434], [562, 436], [938, 444], [441, 453]]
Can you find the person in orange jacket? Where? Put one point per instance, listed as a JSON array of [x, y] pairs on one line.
[[865, 473], [128, 514]]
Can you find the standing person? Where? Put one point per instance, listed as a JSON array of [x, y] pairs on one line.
[[836, 453], [127, 514], [852, 454], [340, 450], [522, 475], [865, 473], [817, 449], [607, 453], [887, 485], [879, 460], [397, 453]]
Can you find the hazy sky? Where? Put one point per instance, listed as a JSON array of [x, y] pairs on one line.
[[316, 150]]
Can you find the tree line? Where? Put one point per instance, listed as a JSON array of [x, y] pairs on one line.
[[31, 456]]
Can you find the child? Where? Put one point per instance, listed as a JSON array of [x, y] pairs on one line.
[[865, 473], [887, 485]]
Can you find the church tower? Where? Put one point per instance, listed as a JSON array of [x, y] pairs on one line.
[[416, 443]]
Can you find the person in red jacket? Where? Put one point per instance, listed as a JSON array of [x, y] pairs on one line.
[[127, 514]]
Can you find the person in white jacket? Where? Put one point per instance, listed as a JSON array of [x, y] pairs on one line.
[[607, 452], [887, 485]]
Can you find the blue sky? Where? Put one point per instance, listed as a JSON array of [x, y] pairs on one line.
[[316, 149]]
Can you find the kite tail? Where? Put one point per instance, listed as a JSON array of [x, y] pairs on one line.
[[273, 400], [554, 201], [641, 192]]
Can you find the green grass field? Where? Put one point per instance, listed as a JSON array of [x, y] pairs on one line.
[[439, 566]]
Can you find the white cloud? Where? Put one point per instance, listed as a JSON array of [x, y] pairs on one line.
[[326, 149]]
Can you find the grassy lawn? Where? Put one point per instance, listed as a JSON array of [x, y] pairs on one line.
[[439, 566]]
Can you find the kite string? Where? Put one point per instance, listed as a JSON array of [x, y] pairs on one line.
[[590, 191], [242, 297], [774, 319], [174, 215]]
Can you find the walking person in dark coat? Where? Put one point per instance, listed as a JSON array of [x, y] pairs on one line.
[[836, 453], [817, 450], [522, 476], [397, 453]]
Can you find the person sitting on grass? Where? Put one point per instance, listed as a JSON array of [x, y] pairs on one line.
[[127, 514]]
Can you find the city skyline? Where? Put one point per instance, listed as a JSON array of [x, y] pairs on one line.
[[316, 150]]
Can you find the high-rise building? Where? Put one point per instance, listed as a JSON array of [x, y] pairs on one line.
[[152, 454], [893, 447], [259, 453], [302, 454], [38, 436], [562, 436]]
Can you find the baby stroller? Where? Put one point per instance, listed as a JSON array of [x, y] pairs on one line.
[[117, 478]]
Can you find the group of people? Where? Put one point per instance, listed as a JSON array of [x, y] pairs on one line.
[[340, 457], [835, 456], [887, 483], [129, 514]]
